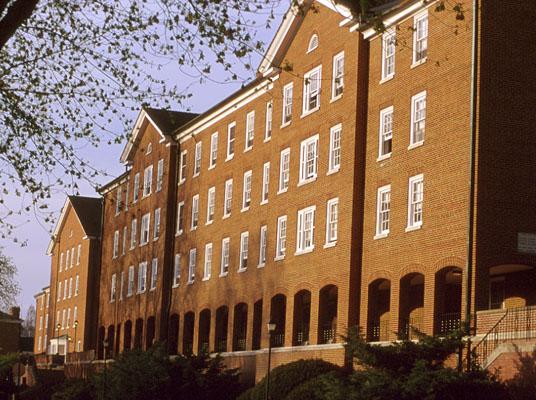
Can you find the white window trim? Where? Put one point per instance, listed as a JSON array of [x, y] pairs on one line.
[[280, 188], [142, 266], [136, 188], [213, 139], [159, 175], [416, 19], [306, 82], [283, 112], [183, 161], [265, 183], [176, 268], [246, 147], [154, 282], [411, 226], [195, 200], [243, 236], [303, 158], [133, 233], [208, 274], [228, 182], [222, 272], [148, 216], [150, 181], [312, 44], [383, 113], [336, 57], [333, 129], [389, 33], [157, 223], [330, 203], [309, 249], [130, 288], [230, 156], [269, 122], [250, 175], [179, 207], [211, 194], [191, 272], [198, 151], [382, 234], [414, 99], [263, 234], [115, 252]]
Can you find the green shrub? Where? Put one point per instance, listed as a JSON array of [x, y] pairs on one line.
[[75, 390], [330, 386]]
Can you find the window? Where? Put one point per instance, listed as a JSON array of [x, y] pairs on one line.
[[284, 170], [335, 148], [116, 244], [118, 195], [136, 189], [228, 198], [68, 317], [63, 318], [149, 149], [125, 203], [142, 277], [213, 150], [308, 159], [112, 288], [250, 130], [287, 104], [225, 256], [191, 265], [311, 90], [180, 218], [262, 246], [144, 231], [124, 243], [122, 285], [41, 323], [159, 175], [78, 254], [133, 233], [211, 204], [383, 209], [420, 38], [418, 119], [231, 131], [386, 133], [147, 181], [197, 160], [337, 84], [177, 270], [332, 221], [265, 182], [154, 273], [130, 288], [46, 321], [65, 289], [70, 287], [415, 201], [195, 212], [61, 262], [156, 229], [72, 257], [388, 54], [305, 228], [208, 261], [269, 120], [67, 260], [76, 285], [75, 313], [246, 195], [244, 247], [281, 245], [313, 43], [182, 166]]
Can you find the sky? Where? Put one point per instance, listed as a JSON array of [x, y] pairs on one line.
[[31, 260]]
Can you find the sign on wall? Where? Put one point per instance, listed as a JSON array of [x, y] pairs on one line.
[[526, 242]]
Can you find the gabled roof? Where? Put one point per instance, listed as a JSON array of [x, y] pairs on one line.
[[8, 317]]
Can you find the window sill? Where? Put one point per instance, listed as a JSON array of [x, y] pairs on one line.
[[226, 216], [309, 112], [413, 228], [387, 79], [305, 251], [224, 274], [175, 286], [209, 222], [181, 182], [415, 145], [244, 209], [266, 140], [211, 167], [206, 278], [282, 191], [141, 291], [177, 234], [279, 258], [190, 282], [144, 196], [285, 124], [241, 270], [261, 265], [195, 175], [417, 63], [384, 157], [333, 171], [381, 235], [229, 157], [330, 244], [248, 149], [306, 181], [152, 289], [263, 202], [144, 244], [334, 99], [193, 228], [156, 238]]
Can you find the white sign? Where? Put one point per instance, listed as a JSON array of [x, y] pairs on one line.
[[526, 242]]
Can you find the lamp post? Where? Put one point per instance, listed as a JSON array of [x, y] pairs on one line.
[[105, 346], [58, 340], [67, 340], [271, 329], [75, 327]]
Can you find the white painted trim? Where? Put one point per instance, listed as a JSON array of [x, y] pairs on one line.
[[372, 33]]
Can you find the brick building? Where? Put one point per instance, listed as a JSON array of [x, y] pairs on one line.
[[42, 311], [10, 331]]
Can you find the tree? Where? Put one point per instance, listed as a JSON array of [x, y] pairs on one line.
[[8, 286], [28, 326]]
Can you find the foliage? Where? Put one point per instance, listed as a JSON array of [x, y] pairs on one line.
[[330, 386], [75, 390], [523, 385], [8, 286], [28, 325]]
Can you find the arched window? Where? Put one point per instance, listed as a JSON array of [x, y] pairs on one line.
[[313, 43]]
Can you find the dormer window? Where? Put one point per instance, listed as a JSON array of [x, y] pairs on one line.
[[149, 148], [313, 43]]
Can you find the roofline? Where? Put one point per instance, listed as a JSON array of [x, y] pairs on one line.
[[113, 183]]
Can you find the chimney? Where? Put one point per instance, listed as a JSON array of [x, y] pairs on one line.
[[15, 312]]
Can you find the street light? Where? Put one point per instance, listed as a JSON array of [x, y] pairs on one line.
[[271, 328], [58, 340], [75, 326]]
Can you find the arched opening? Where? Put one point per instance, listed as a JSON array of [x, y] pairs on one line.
[[110, 339], [188, 333], [278, 311], [411, 312], [222, 322], [138, 333], [117, 339], [100, 342], [127, 338], [257, 324], [448, 300], [379, 310], [173, 334], [302, 318], [149, 336], [327, 314], [240, 326], [511, 286], [204, 332]]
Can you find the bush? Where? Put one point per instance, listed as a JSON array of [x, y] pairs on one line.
[[75, 390], [330, 386]]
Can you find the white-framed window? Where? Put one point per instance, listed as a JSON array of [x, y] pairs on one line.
[[420, 37], [70, 287], [335, 137], [182, 166], [228, 200], [116, 244], [61, 262], [144, 231], [67, 253], [195, 212], [386, 133], [154, 273], [122, 285], [197, 158], [308, 159], [180, 218], [313, 43], [305, 230], [383, 211], [127, 194], [269, 120], [133, 233], [418, 119], [159, 175], [211, 204], [149, 149], [244, 248], [284, 170], [75, 314], [46, 321], [208, 262], [118, 200], [130, 287], [388, 54], [68, 317], [156, 229], [191, 265], [246, 194], [142, 277], [148, 181], [263, 240], [213, 150], [311, 90], [265, 182], [72, 257], [78, 254], [124, 242], [231, 133], [415, 201], [136, 188], [65, 289], [113, 288], [332, 221], [41, 323], [250, 130], [225, 256], [76, 285], [177, 270], [337, 81], [288, 90]]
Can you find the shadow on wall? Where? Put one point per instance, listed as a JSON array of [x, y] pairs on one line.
[[523, 385]]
